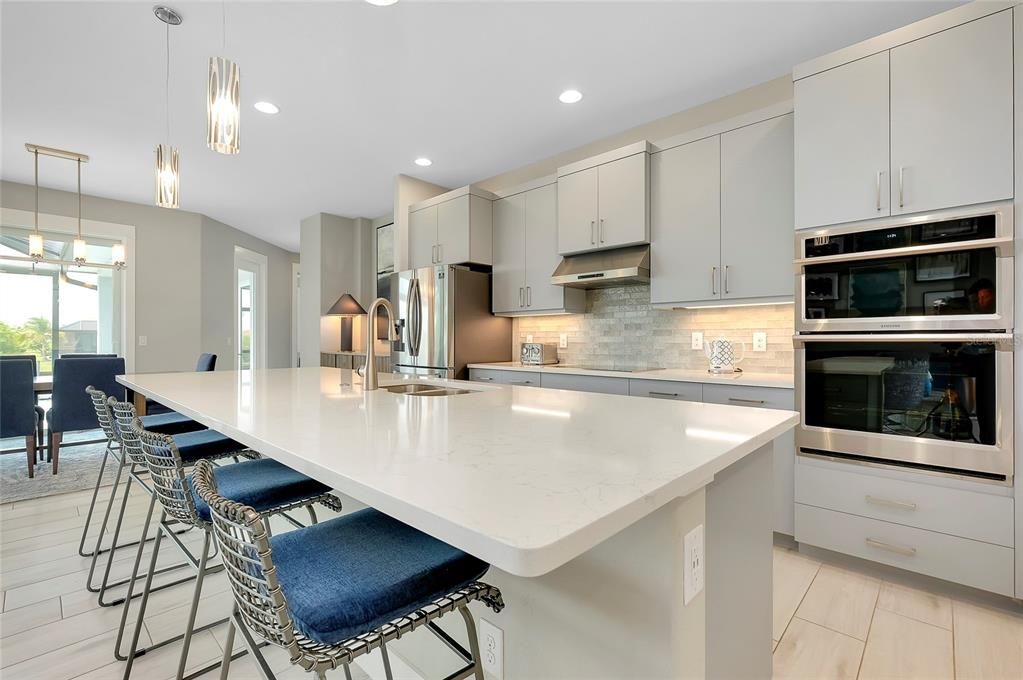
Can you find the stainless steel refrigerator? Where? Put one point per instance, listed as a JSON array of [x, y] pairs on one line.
[[444, 322]]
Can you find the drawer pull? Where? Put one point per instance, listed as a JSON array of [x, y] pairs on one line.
[[522, 382], [479, 377], [901, 505], [759, 402], [666, 395], [899, 549]]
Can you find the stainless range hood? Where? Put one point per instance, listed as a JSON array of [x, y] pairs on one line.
[[604, 268]]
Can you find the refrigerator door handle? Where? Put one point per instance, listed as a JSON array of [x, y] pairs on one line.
[[415, 322]]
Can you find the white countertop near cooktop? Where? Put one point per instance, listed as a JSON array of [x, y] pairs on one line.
[[524, 478], [779, 380]]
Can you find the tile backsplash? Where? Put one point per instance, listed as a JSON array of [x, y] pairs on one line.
[[620, 328]]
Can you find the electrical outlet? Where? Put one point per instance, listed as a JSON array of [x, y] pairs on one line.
[[492, 649], [143, 341], [697, 340], [760, 341], [529, 337], [563, 341], [692, 577]]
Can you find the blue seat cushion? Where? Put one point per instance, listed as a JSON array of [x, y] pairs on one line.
[[262, 484], [349, 575], [204, 444], [169, 423]]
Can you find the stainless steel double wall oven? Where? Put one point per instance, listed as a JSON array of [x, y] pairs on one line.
[[904, 342]]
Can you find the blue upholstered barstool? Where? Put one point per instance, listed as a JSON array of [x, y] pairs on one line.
[[262, 483], [170, 423], [335, 591], [18, 417]]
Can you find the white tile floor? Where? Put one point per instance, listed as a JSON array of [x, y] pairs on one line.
[[829, 621]]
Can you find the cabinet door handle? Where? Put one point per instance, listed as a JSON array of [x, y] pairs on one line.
[[665, 395], [713, 280], [483, 379], [593, 228], [902, 186], [433, 254], [726, 279], [600, 231], [737, 400], [879, 173], [529, 296], [522, 299], [440, 253], [521, 382], [888, 503], [899, 549]]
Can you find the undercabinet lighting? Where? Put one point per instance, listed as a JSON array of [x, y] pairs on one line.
[[423, 162], [570, 96], [540, 411], [267, 107], [738, 304]]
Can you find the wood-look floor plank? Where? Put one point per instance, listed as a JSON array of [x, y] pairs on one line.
[[916, 604], [901, 648], [26, 618], [69, 662], [988, 643], [793, 574], [808, 651], [841, 600]]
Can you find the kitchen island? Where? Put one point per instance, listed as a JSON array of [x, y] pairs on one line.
[[581, 502]]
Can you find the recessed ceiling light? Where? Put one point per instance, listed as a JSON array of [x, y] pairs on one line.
[[381, 3], [267, 107], [421, 162], [570, 96]]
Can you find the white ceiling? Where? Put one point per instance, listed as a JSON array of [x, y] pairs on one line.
[[364, 90]]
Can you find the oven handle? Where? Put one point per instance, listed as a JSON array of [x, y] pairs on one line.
[[1001, 340], [1002, 242]]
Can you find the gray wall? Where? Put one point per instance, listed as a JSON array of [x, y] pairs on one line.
[[178, 286], [217, 329]]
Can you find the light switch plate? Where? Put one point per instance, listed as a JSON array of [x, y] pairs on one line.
[[143, 341], [693, 574], [760, 341], [529, 337], [697, 340], [492, 650], [563, 341]]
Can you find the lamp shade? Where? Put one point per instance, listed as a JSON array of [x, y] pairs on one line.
[[346, 305]]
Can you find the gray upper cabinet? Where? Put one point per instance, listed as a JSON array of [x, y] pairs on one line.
[[841, 144], [721, 217], [685, 229], [951, 117], [454, 228], [604, 206], [756, 210], [923, 126], [525, 255]]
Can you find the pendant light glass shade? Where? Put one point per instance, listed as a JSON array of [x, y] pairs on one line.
[[223, 105], [78, 251], [117, 255], [35, 246], [167, 176]]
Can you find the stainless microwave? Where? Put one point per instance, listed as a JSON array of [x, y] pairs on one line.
[[945, 271]]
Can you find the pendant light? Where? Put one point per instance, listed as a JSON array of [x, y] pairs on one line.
[[168, 177], [35, 239], [78, 245], [223, 99]]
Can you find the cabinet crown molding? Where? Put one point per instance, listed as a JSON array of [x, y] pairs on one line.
[[469, 190], [606, 157]]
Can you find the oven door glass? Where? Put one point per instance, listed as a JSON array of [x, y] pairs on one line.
[[936, 284], [943, 391]]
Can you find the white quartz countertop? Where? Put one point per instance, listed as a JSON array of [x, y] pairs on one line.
[[524, 478], [779, 380]]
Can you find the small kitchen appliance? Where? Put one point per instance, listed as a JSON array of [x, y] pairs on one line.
[[538, 353], [722, 355]]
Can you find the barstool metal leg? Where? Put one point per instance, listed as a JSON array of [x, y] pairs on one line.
[[106, 519], [253, 647], [113, 541], [387, 661], [474, 643], [131, 584], [225, 663], [145, 598], [187, 641], [92, 503]]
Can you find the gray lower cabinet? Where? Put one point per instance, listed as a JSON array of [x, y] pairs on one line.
[[664, 389], [584, 383], [524, 378], [784, 446]]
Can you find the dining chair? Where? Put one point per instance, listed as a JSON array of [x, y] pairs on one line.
[[72, 408], [172, 423], [337, 590], [18, 417], [35, 397], [206, 362], [262, 483]]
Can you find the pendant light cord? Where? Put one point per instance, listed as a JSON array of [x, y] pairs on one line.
[[223, 24], [167, 83], [36, 154], [79, 164]]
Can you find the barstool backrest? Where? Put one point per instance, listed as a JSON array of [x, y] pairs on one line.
[[167, 475], [244, 541], [122, 424], [104, 416]]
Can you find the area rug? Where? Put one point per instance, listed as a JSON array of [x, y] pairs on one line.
[[78, 468]]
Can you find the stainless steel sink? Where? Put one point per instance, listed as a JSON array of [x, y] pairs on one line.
[[421, 390]]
